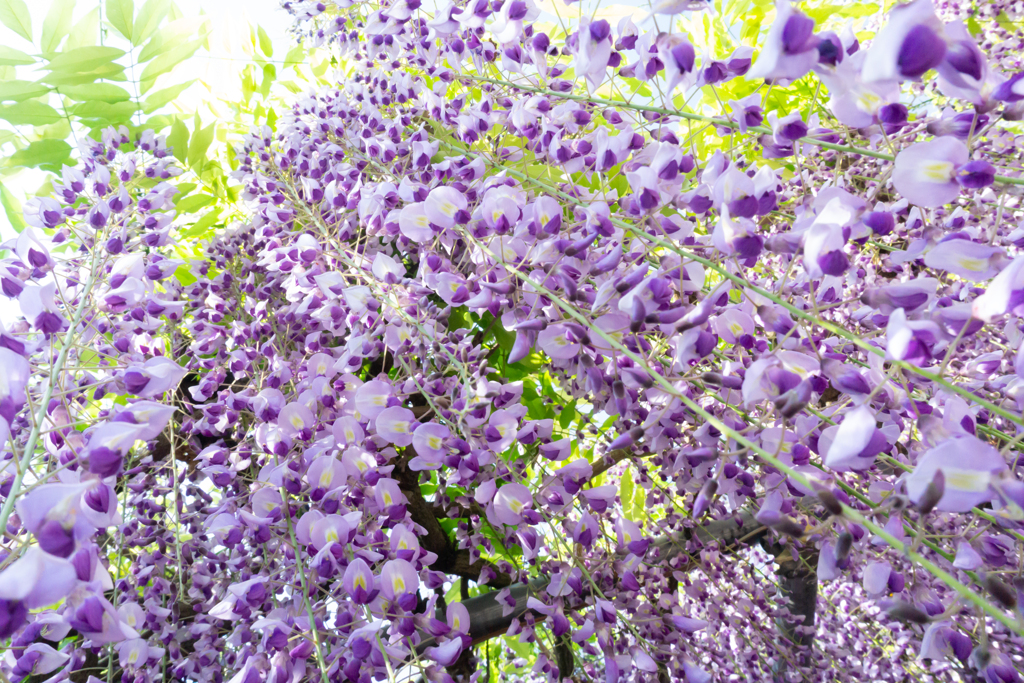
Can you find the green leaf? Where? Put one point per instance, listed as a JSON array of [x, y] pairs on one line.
[[567, 415], [167, 61], [121, 15], [183, 275], [626, 493], [30, 113], [12, 208], [111, 71], [269, 76], [150, 16], [857, 9], [85, 31], [157, 123], [55, 131], [56, 25], [162, 98], [11, 57], [1005, 22], [296, 56], [177, 141], [18, 91], [201, 226], [265, 43], [96, 92], [119, 112], [171, 36], [48, 154], [201, 140], [84, 59], [194, 202], [320, 69], [14, 15], [175, 12]]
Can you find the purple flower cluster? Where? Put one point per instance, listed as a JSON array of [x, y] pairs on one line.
[[742, 414]]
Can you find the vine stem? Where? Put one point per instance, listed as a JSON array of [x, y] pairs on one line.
[[55, 371], [708, 119], [305, 592]]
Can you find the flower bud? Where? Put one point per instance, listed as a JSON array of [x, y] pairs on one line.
[[1003, 594], [831, 503], [843, 546], [904, 611], [932, 493]]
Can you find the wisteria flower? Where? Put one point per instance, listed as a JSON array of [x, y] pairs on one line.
[[969, 465], [509, 503], [911, 340], [1005, 293], [414, 223], [372, 398], [931, 173], [153, 378], [396, 424], [559, 342], [593, 50], [789, 49], [856, 442], [34, 580], [399, 583], [911, 43], [967, 259]]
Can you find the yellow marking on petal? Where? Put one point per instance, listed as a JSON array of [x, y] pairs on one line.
[[971, 481], [398, 583], [297, 422], [448, 209], [936, 171], [434, 442], [973, 264], [869, 101], [360, 582], [331, 536], [326, 478]]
